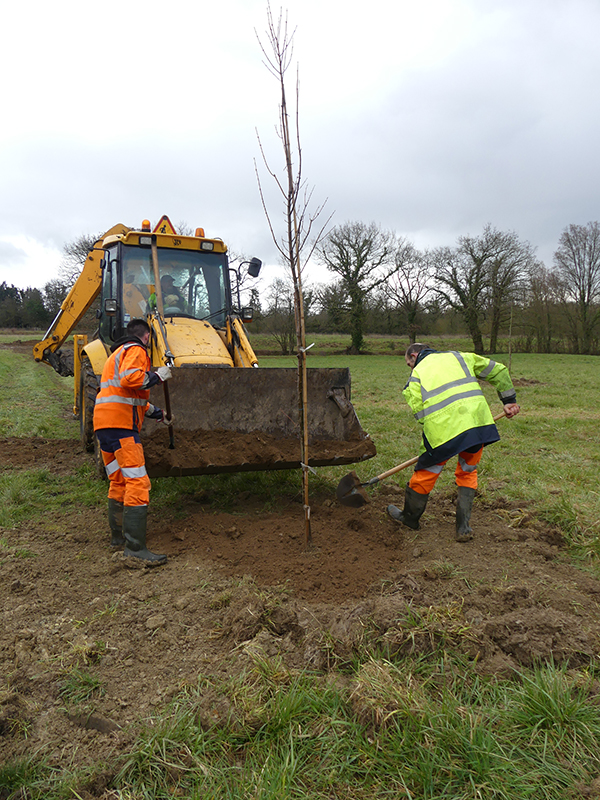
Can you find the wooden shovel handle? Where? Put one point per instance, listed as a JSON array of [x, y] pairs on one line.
[[394, 470], [412, 461]]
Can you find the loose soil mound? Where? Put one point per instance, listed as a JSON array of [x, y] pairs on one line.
[[202, 452]]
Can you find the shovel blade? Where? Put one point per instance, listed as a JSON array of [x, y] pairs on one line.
[[350, 491]]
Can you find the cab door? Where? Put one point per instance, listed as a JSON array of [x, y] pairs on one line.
[[111, 310]]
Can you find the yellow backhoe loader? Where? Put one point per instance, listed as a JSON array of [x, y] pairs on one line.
[[229, 415]]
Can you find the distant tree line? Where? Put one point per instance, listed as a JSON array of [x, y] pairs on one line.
[[487, 287], [22, 308], [36, 308]]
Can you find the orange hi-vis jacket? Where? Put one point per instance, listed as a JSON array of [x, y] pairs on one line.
[[122, 401]]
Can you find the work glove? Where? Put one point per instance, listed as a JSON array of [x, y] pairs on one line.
[[167, 420], [164, 373], [155, 413]]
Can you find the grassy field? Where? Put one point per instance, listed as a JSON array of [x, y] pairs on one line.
[[34, 399], [409, 730], [546, 457], [325, 344], [20, 334], [422, 729]]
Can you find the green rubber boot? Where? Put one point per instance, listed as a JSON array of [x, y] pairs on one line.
[[134, 530], [464, 505], [115, 523], [414, 506]]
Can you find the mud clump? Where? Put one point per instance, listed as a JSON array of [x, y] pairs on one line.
[[529, 637]]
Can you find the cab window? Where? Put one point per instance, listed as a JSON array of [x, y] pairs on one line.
[[193, 283]]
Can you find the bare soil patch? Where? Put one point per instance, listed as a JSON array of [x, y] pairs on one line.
[[243, 582], [19, 345], [62, 456], [526, 382]]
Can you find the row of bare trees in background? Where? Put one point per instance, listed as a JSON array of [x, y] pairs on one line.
[[484, 286], [377, 282]]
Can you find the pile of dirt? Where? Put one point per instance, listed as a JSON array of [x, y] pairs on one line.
[[241, 583], [202, 452], [62, 456]]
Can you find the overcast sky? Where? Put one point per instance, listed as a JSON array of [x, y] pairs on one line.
[[431, 118]]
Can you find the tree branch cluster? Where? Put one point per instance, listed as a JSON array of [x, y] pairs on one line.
[[382, 283]]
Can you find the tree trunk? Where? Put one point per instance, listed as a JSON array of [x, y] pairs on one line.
[[475, 332], [495, 329], [411, 316], [356, 323]]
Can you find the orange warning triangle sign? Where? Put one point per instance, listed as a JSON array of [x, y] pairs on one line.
[[164, 226]]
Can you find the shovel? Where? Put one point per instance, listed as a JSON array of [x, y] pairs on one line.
[[350, 491]]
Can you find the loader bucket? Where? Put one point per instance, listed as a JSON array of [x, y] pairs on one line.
[[236, 420]]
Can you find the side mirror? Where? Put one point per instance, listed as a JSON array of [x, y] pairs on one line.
[[254, 267], [247, 314]]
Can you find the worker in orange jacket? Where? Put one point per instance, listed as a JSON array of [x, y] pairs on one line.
[[121, 405]]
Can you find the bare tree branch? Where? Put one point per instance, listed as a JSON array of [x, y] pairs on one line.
[[577, 260], [363, 257], [298, 219]]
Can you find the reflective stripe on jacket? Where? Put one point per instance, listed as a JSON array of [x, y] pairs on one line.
[[124, 389], [445, 397]]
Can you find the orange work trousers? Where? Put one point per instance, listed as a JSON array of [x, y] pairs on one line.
[[423, 480], [126, 469]]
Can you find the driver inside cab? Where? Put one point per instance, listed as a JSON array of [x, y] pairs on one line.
[[173, 300]]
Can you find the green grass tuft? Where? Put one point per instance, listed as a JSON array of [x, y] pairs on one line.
[[412, 730], [79, 686], [33, 493]]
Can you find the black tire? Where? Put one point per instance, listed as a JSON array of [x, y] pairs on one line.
[[88, 389]]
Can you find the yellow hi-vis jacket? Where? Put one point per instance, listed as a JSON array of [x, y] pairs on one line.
[[444, 395]]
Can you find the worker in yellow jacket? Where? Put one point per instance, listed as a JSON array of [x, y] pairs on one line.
[[121, 405], [446, 399]]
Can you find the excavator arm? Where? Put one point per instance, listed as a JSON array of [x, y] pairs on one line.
[[82, 295]]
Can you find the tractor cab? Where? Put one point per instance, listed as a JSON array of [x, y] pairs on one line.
[[194, 281]]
